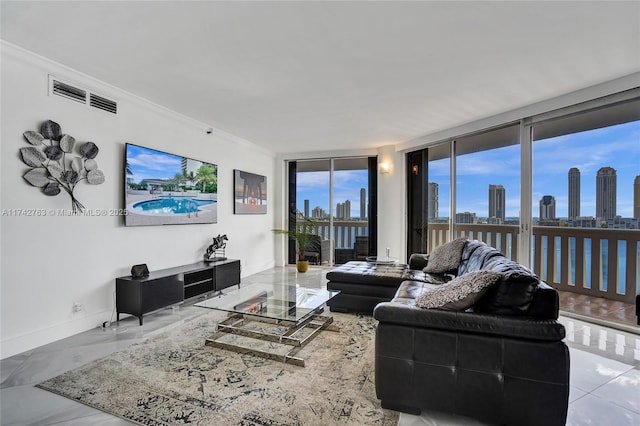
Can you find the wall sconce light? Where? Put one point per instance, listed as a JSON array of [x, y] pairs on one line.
[[385, 167], [414, 169]]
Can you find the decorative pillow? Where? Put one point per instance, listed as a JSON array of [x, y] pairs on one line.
[[446, 257], [460, 293]]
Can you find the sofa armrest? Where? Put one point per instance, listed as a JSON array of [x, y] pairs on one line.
[[521, 327], [545, 303], [418, 261]]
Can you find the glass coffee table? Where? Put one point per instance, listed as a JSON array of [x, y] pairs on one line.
[[273, 321]]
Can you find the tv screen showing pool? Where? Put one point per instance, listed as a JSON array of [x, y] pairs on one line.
[[168, 189]]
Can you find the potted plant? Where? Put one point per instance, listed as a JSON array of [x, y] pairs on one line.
[[302, 235]]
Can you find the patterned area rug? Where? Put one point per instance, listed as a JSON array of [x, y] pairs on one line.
[[174, 379]]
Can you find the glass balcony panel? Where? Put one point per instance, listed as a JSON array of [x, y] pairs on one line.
[[622, 267], [557, 265], [587, 263], [604, 264], [571, 265]]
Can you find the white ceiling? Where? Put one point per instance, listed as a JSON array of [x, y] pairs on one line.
[[324, 76]]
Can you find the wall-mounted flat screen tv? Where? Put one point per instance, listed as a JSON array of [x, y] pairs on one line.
[[168, 189]]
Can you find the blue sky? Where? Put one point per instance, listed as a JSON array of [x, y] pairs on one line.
[[146, 163], [314, 186], [616, 146]]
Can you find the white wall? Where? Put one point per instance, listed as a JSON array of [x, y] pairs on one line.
[[392, 204], [50, 262]]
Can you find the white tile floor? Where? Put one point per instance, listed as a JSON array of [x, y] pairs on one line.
[[605, 369]]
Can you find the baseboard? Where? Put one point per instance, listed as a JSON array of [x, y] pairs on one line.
[[28, 341]]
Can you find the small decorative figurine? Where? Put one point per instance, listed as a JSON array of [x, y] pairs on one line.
[[216, 249]]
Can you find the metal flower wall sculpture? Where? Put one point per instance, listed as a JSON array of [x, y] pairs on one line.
[[53, 168]]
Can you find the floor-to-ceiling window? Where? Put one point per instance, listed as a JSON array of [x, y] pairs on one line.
[[338, 195], [559, 192], [310, 198], [586, 200], [485, 198], [487, 179]]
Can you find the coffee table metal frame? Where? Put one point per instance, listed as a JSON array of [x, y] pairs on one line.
[[234, 324], [236, 321]]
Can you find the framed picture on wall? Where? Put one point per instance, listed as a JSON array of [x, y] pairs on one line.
[[249, 193]]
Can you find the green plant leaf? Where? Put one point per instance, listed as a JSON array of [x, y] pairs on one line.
[[38, 177], [34, 138], [32, 156]]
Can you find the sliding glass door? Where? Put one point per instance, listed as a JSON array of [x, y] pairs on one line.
[[480, 183], [558, 192], [487, 182], [586, 201], [338, 196]]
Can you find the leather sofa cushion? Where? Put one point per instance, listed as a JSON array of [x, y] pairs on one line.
[[368, 273], [515, 291], [418, 261], [403, 312], [425, 277], [385, 275], [365, 290]]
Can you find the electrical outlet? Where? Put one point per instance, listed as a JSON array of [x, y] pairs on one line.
[[77, 307]]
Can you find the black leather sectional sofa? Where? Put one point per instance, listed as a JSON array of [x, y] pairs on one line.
[[502, 361]]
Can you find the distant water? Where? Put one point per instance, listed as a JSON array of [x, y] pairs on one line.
[[604, 263]]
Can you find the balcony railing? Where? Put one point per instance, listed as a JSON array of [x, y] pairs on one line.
[[344, 231], [592, 261]]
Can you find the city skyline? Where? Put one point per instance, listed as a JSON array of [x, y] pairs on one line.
[[606, 195], [614, 146], [347, 185]]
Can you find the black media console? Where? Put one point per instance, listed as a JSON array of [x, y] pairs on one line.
[[166, 287]]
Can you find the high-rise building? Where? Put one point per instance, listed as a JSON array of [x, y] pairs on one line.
[[363, 204], [306, 208], [497, 195], [574, 193], [318, 213], [547, 207], [466, 217], [606, 188], [432, 201], [636, 198], [343, 210]]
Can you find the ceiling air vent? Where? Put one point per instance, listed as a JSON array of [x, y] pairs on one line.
[[103, 103], [68, 91]]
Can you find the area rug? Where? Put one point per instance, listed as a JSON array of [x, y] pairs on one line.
[[174, 379]]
